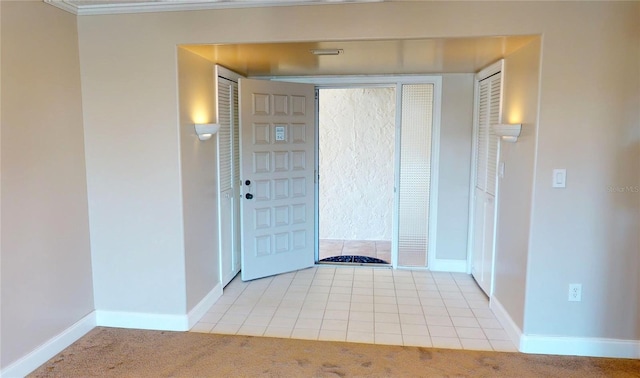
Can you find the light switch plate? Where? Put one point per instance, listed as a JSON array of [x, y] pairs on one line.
[[559, 178]]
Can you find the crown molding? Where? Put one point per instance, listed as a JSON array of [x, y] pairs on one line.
[[84, 9]]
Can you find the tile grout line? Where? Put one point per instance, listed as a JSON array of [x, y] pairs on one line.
[[273, 280], [395, 290], [415, 284], [324, 311], [382, 280], [253, 305], [486, 338], [303, 301]]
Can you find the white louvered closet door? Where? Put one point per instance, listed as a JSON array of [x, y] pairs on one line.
[[228, 179], [487, 108]]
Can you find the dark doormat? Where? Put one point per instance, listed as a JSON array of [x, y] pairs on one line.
[[353, 260]]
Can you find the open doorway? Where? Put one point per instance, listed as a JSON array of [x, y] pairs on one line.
[[374, 160], [356, 144]]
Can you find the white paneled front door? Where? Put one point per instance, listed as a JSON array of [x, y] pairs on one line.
[[277, 124]]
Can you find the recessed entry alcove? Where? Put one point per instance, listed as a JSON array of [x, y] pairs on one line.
[[371, 180]]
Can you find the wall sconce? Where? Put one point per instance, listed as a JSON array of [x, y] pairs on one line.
[[206, 130], [508, 132]]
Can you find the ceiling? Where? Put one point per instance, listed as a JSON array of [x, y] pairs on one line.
[[375, 57]]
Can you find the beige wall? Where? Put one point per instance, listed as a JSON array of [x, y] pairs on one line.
[[199, 167], [456, 128], [46, 264], [520, 105], [579, 234], [130, 103], [589, 124]]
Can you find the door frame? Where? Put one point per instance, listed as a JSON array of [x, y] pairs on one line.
[[396, 157], [347, 81], [485, 73]]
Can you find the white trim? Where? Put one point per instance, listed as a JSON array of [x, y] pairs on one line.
[[496, 204], [491, 70], [361, 80], [434, 166], [472, 177], [205, 304], [141, 320], [395, 220], [513, 331], [563, 345], [502, 81], [448, 265], [50, 348], [316, 176], [225, 73], [181, 5], [55, 345], [63, 5], [580, 346]]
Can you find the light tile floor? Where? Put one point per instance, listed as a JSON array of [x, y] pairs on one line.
[[361, 304]]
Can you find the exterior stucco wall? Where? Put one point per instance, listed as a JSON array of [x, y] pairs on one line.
[[357, 133]]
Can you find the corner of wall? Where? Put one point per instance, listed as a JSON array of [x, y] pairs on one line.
[[199, 169], [521, 80]]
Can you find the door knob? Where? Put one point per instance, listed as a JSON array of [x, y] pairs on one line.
[[248, 182], [248, 196]]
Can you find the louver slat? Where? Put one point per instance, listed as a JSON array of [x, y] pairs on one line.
[[483, 136], [224, 136]]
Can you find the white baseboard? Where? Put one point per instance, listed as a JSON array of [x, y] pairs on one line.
[[447, 265], [510, 327], [53, 346], [562, 345], [201, 308], [580, 346], [138, 320], [158, 322], [42, 354]]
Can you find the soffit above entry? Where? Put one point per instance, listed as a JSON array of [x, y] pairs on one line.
[[365, 57]]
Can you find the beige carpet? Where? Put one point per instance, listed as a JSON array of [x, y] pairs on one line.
[[113, 352]]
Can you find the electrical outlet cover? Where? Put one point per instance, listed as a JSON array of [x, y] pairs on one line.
[[575, 292]]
